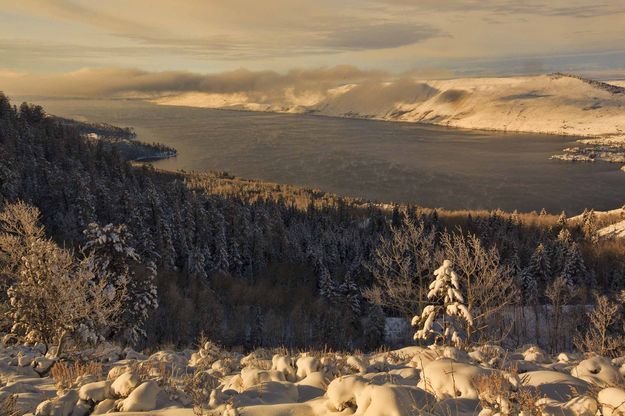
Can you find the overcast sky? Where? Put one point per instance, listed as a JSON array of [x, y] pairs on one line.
[[432, 38]]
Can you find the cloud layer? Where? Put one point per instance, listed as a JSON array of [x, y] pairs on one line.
[[219, 35], [120, 82]]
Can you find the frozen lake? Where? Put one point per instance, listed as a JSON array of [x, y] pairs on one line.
[[427, 165]]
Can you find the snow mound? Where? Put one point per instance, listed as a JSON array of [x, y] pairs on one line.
[[412, 380], [142, 399], [376, 400], [598, 371], [447, 379], [612, 401]]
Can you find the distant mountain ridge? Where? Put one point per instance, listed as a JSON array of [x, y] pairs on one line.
[[556, 103]]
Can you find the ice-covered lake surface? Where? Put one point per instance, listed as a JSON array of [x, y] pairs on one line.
[[402, 162]]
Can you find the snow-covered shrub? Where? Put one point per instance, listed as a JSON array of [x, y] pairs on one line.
[[501, 394], [444, 317], [52, 295], [198, 386], [207, 354], [110, 251]]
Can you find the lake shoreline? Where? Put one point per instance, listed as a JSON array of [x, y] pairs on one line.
[[415, 163]]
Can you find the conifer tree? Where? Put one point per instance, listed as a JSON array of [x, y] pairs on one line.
[[540, 266], [574, 270], [111, 252], [327, 286], [442, 318], [589, 225], [561, 247], [562, 220], [350, 293]]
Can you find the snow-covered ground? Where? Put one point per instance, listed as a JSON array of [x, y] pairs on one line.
[[612, 222], [613, 231], [555, 104], [408, 381], [616, 213]]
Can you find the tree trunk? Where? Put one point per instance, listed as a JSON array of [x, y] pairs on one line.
[[536, 323], [59, 347]]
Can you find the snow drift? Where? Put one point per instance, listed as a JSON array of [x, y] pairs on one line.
[[431, 380]]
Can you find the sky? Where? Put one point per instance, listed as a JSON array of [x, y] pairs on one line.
[[76, 44]]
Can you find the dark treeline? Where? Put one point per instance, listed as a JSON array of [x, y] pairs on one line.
[[101, 129], [121, 139], [255, 264]]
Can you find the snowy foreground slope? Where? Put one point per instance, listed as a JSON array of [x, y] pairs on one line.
[[409, 381], [556, 103]]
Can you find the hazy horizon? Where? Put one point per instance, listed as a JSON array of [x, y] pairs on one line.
[[88, 48]]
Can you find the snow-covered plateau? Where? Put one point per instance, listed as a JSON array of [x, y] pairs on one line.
[[556, 103], [413, 380]]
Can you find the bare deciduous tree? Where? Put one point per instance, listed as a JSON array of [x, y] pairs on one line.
[[559, 293], [489, 286], [401, 269], [603, 336]]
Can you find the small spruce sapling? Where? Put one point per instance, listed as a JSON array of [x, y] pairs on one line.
[[443, 316]]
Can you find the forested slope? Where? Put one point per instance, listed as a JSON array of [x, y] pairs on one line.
[[252, 264]]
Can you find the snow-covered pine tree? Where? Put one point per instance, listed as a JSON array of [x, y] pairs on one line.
[[350, 292], [196, 263], [514, 262], [559, 251], [84, 202], [220, 256], [589, 225], [515, 217], [574, 270], [529, 286], [443, 316], [235, 262], [397, 218], [540, 265], [328, 289], [160, 227], [111, 252], [562, 220]]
